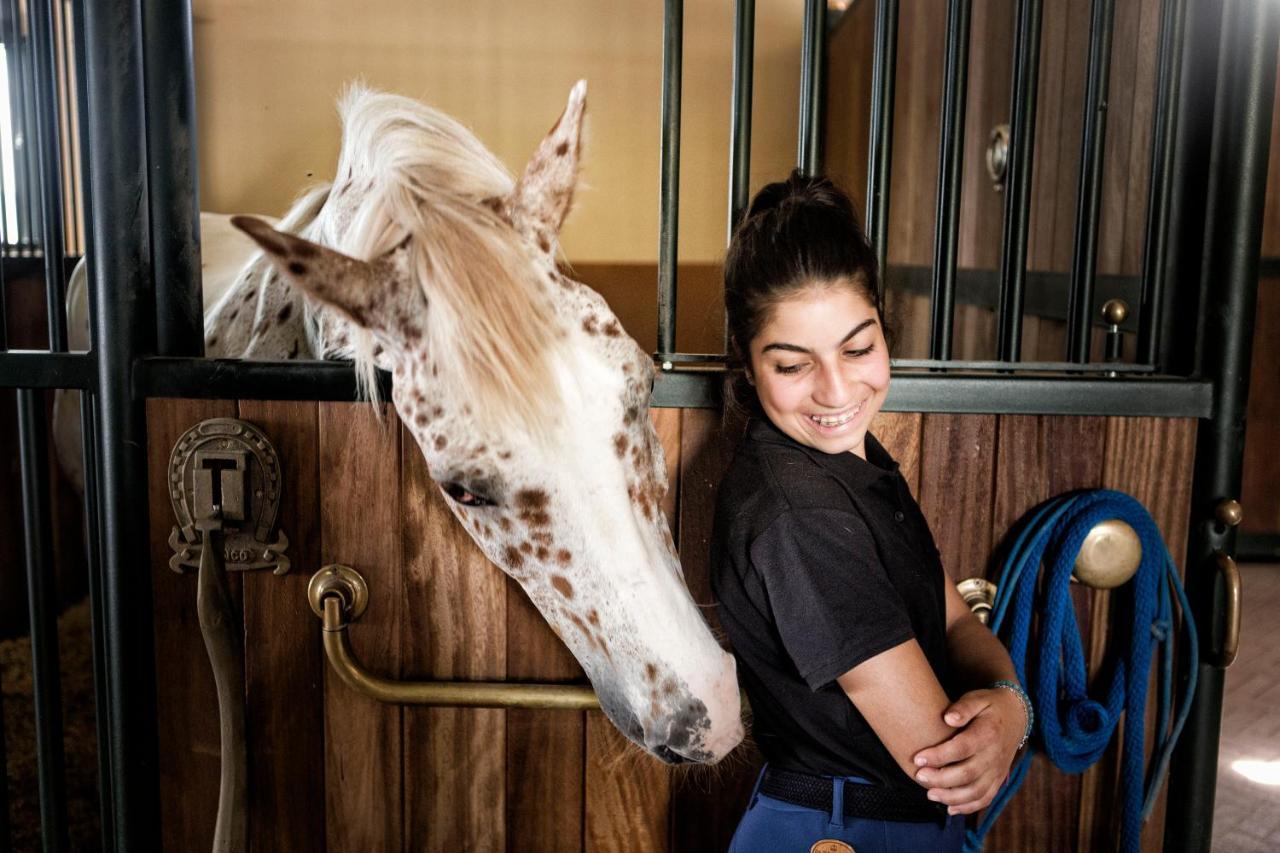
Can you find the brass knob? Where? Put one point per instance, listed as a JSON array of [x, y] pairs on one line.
[[1229, 512], [343, 582], [1109, 555], [1115, 311], [980, 595], [998, 155]]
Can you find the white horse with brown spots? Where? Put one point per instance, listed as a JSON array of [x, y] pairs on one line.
[[529, 402]]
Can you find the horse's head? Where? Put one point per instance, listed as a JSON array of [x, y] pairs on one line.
[[527, 399]]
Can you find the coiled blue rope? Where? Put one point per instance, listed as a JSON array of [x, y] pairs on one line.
[[1072, 727]]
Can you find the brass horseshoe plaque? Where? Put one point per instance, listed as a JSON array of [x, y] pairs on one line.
[[226, 469]]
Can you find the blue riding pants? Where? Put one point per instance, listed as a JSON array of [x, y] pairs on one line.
[[775, 826]]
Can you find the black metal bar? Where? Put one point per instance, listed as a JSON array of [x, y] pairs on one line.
[[6, 835], [40, 369], [813, 55], [950, 175], [49, 163], [1159, 191], [1258, 547], [1085, 252], [1233, 240], [82, 107], [1017, 201], [669, 166], [880, 148], [17, 47], [173, 177], [744, 39], [42, 601], [121, 331], [250, 380]]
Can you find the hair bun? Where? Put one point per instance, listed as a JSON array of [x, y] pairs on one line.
[[797, 190]]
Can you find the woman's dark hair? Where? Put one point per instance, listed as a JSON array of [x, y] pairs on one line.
[[796, 232]]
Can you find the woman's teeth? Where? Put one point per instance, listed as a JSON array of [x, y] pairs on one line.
[[835, 421]]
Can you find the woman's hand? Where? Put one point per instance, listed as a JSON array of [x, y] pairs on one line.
[[967, 770]]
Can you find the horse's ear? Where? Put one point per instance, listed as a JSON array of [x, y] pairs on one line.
[[331, 277], [544, 194]]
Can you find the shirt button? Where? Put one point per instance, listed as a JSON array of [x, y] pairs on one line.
[[899, 516]]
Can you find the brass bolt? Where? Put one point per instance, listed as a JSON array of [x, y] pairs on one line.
[[1114, 311], [1229, 512]]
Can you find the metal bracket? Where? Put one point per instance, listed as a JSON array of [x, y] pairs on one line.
[[229, 464]]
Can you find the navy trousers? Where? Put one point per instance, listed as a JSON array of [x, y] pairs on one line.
[[774, 826]]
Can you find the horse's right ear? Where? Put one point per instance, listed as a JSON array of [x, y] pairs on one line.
[[544, 194], [331, 277]]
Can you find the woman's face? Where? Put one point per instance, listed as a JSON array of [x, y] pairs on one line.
[[820, 367]]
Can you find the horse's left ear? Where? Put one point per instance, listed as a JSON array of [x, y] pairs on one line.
[[544, 194], [331, 277]]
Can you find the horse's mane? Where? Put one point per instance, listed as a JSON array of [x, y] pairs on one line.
[[422, 177]]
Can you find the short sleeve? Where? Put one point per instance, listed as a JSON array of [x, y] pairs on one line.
[[832, 601]]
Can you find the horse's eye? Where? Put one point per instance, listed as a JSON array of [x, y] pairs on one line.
[[461, 495]]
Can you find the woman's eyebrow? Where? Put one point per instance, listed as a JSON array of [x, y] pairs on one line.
[[794, 348]]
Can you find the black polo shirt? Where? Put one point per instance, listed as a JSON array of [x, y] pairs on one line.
[[818, 562]]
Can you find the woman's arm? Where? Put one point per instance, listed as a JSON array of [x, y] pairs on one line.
[[901, 699]]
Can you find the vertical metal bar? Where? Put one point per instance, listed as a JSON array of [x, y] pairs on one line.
[[173, 177], [1233, 240], [1159, 192], [42, 603], [669, 190], [49, 167], [122, 331], [30, 134], [1017, 201], [744, 37], [1085, 253], [950, 151], [6, 835], [812, 87], [13, 43], [880, 149], [82, 119]]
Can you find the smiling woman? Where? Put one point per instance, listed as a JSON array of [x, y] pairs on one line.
[[828, 581]]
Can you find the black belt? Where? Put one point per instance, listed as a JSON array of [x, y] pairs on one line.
[[875, 802]]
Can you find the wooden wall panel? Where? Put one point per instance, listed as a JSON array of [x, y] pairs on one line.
[[453, 627], [360, 519], [957, 467], [187, 727], [899, 433], [284, 663]]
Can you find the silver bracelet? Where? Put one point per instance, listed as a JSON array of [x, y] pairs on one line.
[[1027, 709]]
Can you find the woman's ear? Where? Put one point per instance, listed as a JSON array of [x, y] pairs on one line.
[[751, 380]]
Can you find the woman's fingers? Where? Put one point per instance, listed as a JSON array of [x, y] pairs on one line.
[[966, 708], [977, 804], [964, 795], [958, 747], [954, 775]]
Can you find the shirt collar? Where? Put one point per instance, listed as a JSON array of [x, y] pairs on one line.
[[848, 466]]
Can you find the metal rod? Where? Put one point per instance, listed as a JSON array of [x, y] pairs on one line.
[[880, 149], [1233, 239], [812, 87], [669, 167], [82, 121], [744, 36], [1085, 253], [1017, 201], [40, 369], [19, 92], [49, 163], [950, 176], [1159, 192], [173, 178], [6, 835], [121, 332], [42, 602]]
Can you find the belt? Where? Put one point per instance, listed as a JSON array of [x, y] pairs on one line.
[[875, 802]]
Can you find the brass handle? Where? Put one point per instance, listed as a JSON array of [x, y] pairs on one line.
[[980, 595], [1109, 556], [339, 593], [1231, 629]]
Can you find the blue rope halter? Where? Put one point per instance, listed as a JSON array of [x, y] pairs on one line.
[[1073, 728]]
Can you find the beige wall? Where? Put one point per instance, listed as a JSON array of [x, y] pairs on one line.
[[268, 73]]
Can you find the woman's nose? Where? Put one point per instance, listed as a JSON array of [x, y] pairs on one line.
[[832, 388]]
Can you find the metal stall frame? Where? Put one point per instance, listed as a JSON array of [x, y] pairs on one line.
[[138, 108]]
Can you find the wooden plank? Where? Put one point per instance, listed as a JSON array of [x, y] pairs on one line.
[[284, 664], [359, 526], [186, 700], [899, 433], [1258, 492], [628, 793], [704, 815], [454, 627], [957, 478], [1117, 188]]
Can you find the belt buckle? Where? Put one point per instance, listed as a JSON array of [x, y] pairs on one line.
[[831, 845]]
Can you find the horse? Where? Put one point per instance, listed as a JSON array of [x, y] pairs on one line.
[[426, 258]]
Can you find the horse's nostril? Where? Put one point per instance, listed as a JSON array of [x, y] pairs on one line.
[[668, 755]]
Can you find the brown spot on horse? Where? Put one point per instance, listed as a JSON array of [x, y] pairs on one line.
[[562, 585]]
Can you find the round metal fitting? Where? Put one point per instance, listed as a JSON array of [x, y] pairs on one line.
[[342, 581], [1109, 556], [1115, 311], [980, 595], [998, 155], [1229, 512]]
